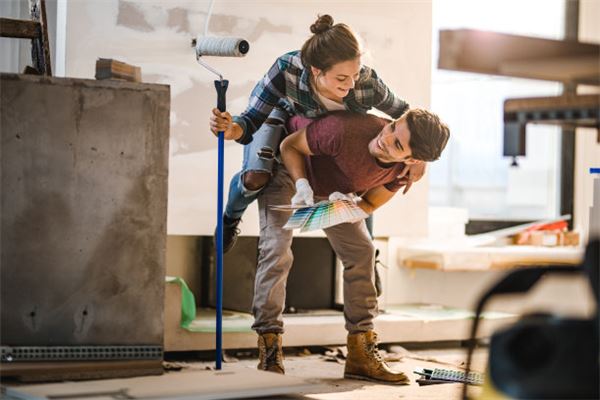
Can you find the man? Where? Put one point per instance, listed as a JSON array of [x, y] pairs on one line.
[[344, 153]]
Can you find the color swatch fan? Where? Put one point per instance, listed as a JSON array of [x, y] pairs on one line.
[[323, 215]]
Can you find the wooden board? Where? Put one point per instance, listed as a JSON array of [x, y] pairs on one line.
[[487, 258], [78, 370], [553, 102], [15, 28], [201, 385], [494, 53]]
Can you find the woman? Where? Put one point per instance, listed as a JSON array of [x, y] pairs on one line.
[[325, 75]]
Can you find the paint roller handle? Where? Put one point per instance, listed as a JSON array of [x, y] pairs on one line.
[[221, 86]]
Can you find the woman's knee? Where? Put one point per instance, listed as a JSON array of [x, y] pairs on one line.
[[256, 180]]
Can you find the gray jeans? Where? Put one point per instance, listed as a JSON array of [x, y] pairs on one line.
[[351, 243]]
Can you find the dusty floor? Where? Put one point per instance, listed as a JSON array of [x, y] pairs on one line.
[[329, 374]]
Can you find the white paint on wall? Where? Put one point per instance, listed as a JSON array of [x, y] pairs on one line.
[[61, 38]]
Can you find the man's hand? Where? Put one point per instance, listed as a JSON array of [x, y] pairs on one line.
[[412, 173], [341, 196], [222, 122], [304, 193]]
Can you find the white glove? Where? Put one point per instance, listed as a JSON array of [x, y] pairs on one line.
[[341, 196], [304, 193]]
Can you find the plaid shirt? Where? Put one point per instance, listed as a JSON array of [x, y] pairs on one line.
[[287, 84]]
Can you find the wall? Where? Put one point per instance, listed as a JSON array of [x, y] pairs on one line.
[[183, 260], [587, 148], [156, 36]]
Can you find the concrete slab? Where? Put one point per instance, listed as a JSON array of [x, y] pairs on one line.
[[84, 168]]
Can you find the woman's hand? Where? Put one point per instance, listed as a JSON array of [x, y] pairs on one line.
[[222, 122], [412, 173]]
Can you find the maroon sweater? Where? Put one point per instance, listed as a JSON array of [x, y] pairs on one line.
[[341, 160]]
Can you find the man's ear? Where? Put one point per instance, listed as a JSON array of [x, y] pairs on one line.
[[315, 71], [411, 161]]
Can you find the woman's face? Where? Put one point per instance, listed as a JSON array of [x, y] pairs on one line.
[[339, 79]]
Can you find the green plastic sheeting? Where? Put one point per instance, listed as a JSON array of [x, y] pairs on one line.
[[188, 302], [205, 323]]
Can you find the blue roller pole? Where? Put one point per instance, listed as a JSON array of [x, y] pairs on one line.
[[219, 343], [221, 87]]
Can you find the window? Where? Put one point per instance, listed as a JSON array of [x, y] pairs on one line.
[[472, 172]]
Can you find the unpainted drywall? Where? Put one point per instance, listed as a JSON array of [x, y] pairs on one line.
[[156, 35]]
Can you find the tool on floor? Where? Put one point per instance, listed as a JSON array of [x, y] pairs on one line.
[[432, 376], [219, 47]]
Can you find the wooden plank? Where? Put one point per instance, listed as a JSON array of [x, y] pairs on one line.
[[45, 40], [554, 102], [491, 258], [226, 384], [79, 370], [494, 53], [15, 28]]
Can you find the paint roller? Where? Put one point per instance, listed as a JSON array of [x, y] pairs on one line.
[[219, 47]]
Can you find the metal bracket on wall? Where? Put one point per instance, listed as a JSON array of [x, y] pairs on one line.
[[79, 353], [569, 110]]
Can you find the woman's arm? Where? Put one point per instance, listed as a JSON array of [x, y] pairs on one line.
[[265, 96], [385, 100]]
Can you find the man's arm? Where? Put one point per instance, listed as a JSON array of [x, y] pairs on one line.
[[375, 198], [293, 150]]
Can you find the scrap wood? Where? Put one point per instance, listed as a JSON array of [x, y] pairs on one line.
[[304, 352], [173, 366], [403, 353], [335, 354], [489, 238], [229, 358], [340, 353]]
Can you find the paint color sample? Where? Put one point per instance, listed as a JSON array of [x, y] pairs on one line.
[[323, 215]]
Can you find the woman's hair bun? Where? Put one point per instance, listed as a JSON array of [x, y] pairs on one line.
[[322, 24]]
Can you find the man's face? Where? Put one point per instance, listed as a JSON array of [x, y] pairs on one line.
[[391, 144]]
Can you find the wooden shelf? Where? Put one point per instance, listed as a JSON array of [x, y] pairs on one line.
[[494, 53], [534, 104], [459, 259]]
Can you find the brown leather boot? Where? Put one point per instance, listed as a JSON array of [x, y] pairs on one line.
[[270, 354], [364, 361]]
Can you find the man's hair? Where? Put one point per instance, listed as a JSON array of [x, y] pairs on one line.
[[428, 135]]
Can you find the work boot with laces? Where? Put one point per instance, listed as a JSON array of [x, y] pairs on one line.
[[364, 361], [230, 233], [270, 354]]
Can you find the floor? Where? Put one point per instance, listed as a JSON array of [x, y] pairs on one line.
[[327, 372]]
